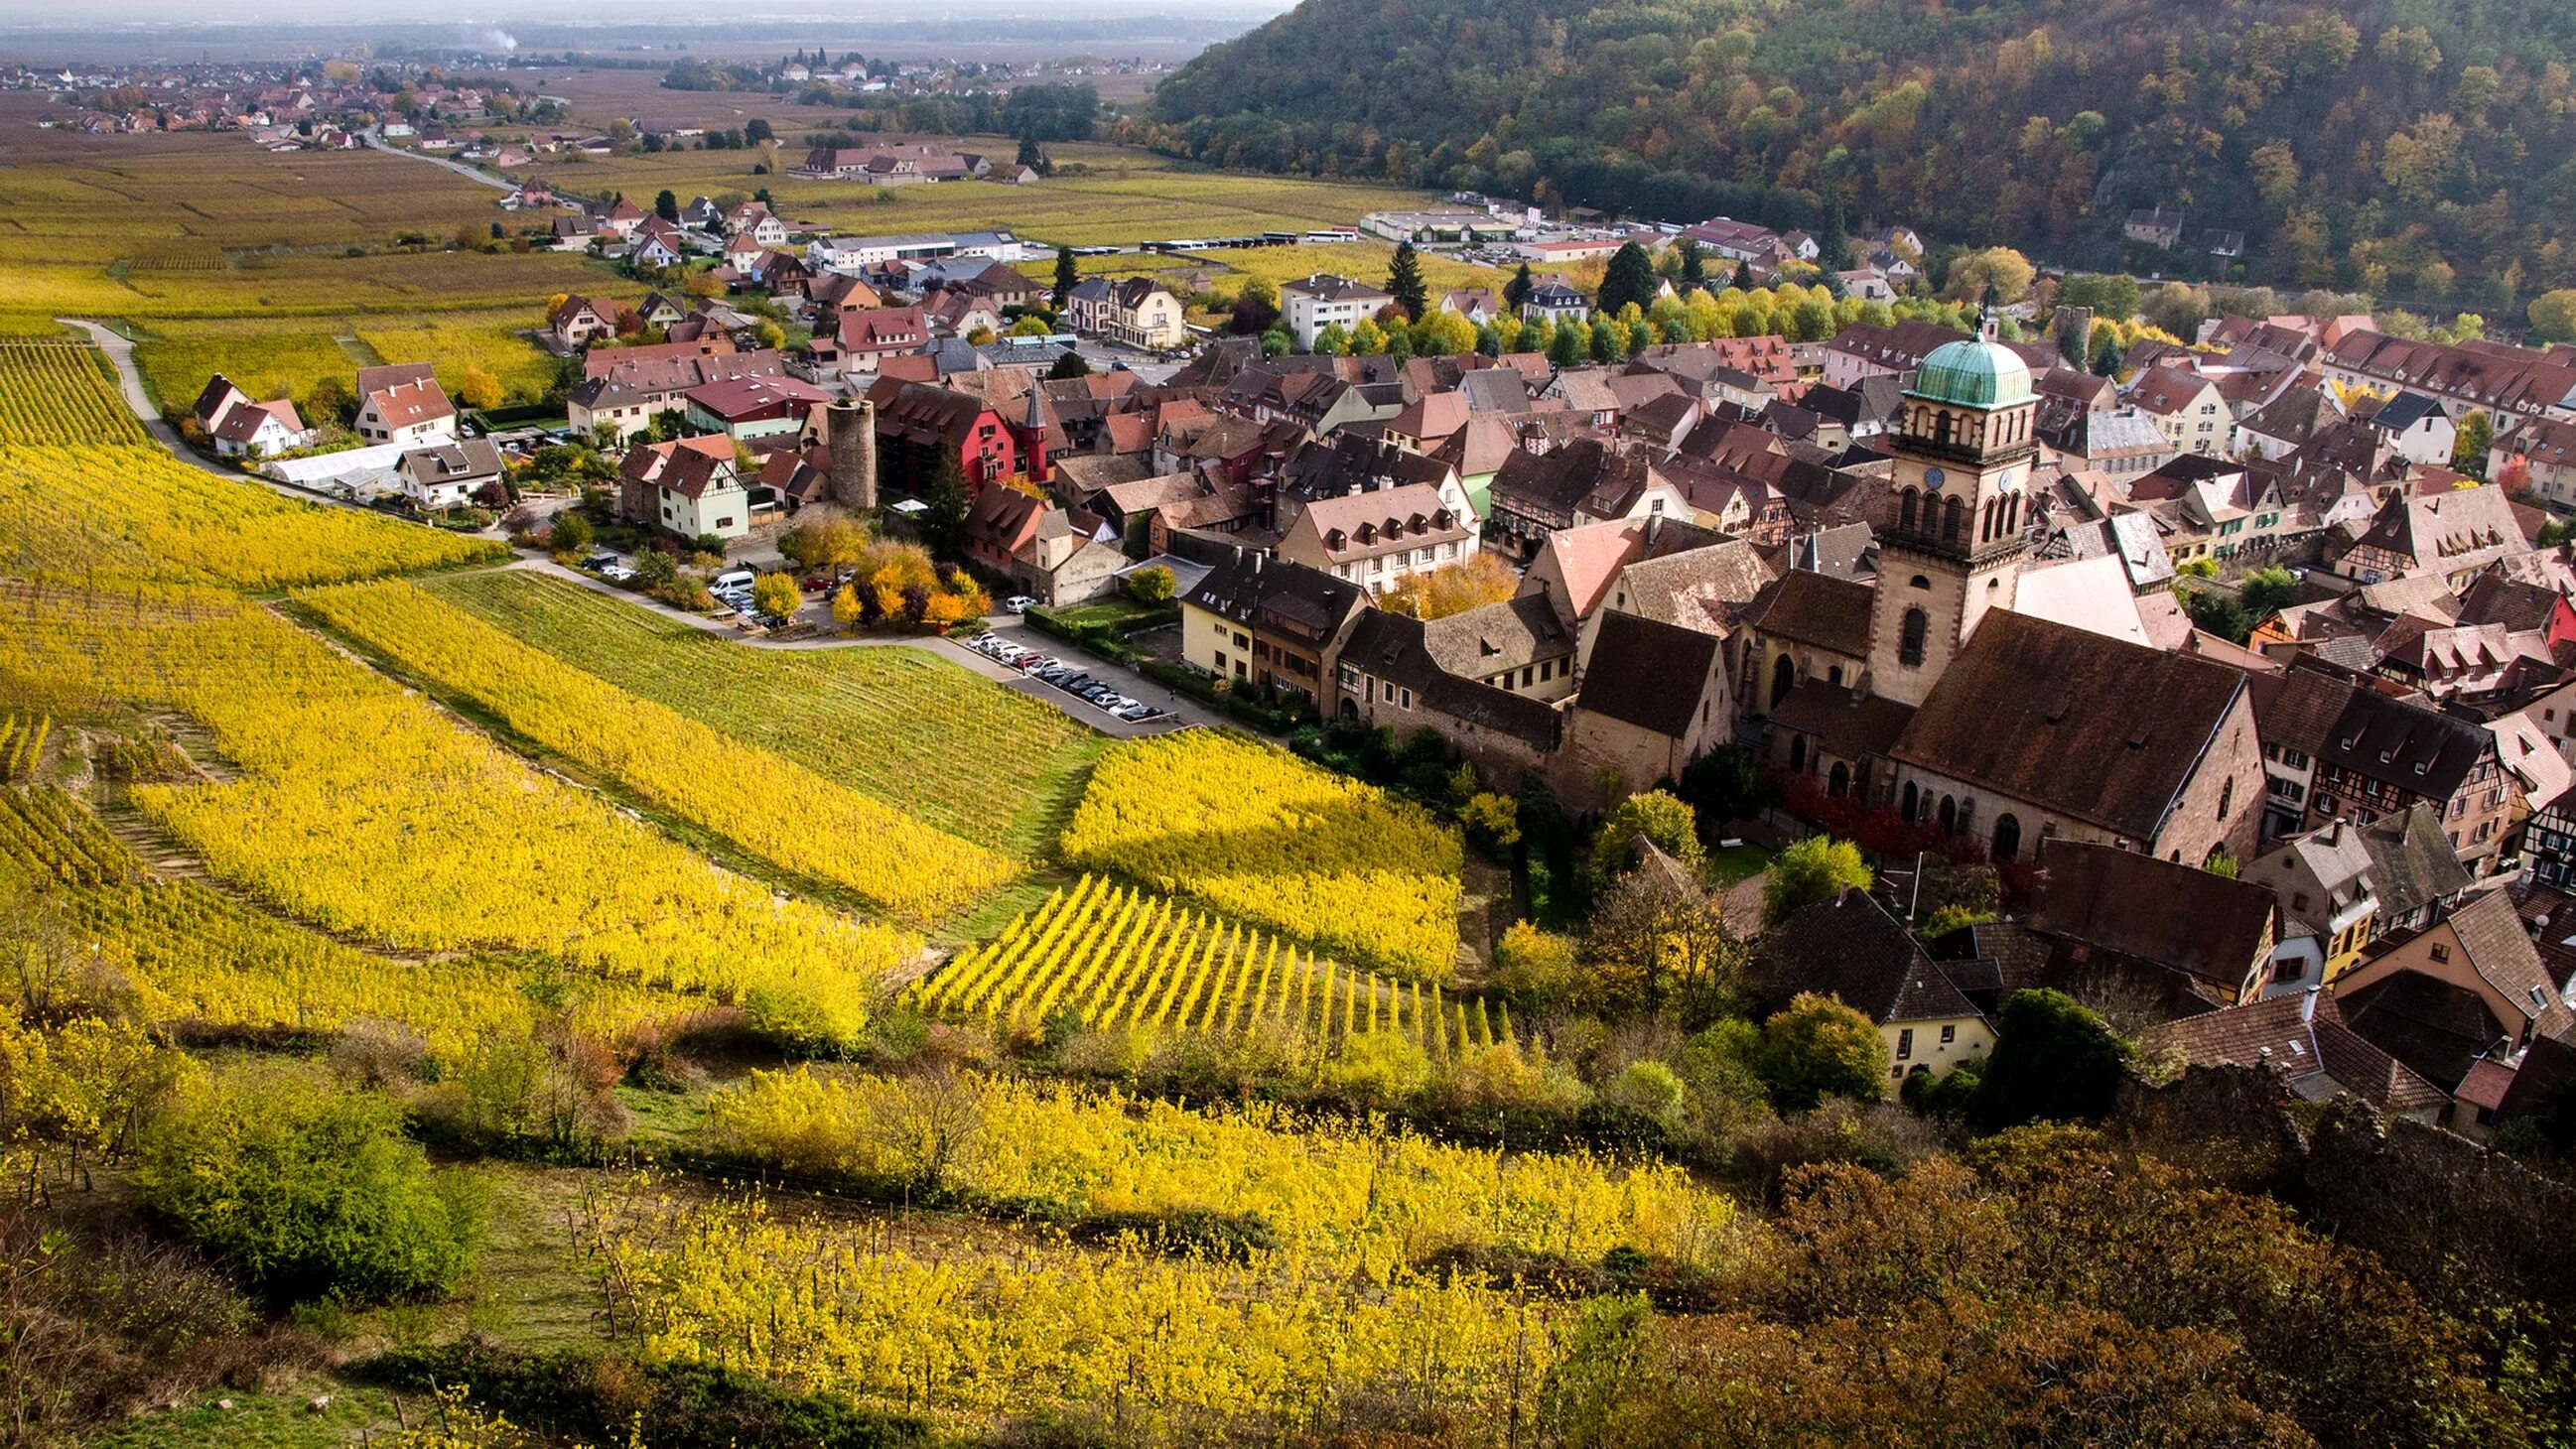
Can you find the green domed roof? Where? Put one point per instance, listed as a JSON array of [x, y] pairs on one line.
[[1972, 373]]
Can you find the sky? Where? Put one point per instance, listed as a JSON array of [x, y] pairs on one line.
[[110, 14]]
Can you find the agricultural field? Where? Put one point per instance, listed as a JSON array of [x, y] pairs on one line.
[[356, 806], [219, 256], [58, 393], [198, 961], [776, 810], [901, 725], [1121, 197], [1261, 835], [83, 513], [1225, 268], [1116, 957]]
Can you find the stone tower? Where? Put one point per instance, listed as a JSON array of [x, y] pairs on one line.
[[1962, 483], [851, 435]]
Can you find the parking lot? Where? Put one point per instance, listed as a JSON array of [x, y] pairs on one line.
[[1074, 677]]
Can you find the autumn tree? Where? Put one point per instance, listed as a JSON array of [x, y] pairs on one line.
[[1472, 582], [2553, 315], [1153, 585], [480, 389], [776, 595], [2006, 272], [1662, 819], [1658, 938], [1817, 868]]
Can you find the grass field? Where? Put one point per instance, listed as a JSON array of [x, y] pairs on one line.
[[899, 725]]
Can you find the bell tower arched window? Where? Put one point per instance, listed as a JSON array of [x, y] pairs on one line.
[[1950, 521], [1911, 499], [1909, 644]]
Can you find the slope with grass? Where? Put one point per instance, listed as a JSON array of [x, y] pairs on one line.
[[900, 725]]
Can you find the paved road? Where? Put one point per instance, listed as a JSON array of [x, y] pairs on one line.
[[459, 167], [1184, 710]]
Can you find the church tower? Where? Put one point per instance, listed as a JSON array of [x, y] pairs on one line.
[[1962, 481]]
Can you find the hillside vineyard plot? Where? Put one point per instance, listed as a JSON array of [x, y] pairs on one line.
[[85, 513], [52, 391], [197, 960], [1158, 1347], [1259, 834], [776, 810], [362, 809], [932, 740], [1112, 956], [1360, 1197]]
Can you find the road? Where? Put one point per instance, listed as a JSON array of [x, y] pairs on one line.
[[1184, 710], [460, 168]]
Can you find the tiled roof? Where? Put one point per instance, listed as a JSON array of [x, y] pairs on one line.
[[2073, 722], [1851, 949], [2180, 917], [1648, 674]]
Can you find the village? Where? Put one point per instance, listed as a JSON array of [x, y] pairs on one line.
[[2250, 690]]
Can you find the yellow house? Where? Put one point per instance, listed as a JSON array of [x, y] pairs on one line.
[[1851, 949]]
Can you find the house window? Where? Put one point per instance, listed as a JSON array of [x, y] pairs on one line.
[[1904, 1043], [1949, 1034], [2441, 953]]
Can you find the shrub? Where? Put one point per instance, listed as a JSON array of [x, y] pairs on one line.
[[307, 1190], [1658, 815], [1820, 1048], [1152, 586], [1536, 967], [1817, 868]]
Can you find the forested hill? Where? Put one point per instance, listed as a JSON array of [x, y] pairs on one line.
[[2414, 147]]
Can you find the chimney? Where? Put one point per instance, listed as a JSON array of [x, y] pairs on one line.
[[1257, 557], [2308, 1006], [850, 438]]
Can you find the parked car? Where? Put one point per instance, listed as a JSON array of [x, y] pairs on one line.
[[1018, 604]]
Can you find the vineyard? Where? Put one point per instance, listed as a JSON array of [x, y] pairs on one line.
[[360, 808], [1158, 1347], [55, 393], [22, 747], [1353, 1196], [78, 514], [1259, 834], [902, 725], [1112, 956], [774, 809], [194, 958]]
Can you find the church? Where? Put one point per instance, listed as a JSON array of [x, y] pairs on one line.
[[1958, 712]]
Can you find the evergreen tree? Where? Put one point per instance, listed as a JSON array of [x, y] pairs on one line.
[[1744, 277], [1833, 248], [667, 207], [1694, 267], [1404, 282], [1517, 290], [943, 523], [1628, 281], [1066, 274]]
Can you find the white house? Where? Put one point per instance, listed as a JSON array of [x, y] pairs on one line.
[[450, 474], [414, 414], [1319, 301]]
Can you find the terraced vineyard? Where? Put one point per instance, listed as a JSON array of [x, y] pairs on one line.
[[1117, 956], [360, 808], [56, 393], [900, 725], [1262, 835]]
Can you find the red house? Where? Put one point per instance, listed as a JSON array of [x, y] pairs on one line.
[[920, 426]]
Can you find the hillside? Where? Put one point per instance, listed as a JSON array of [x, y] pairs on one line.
[[2411, 147]]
